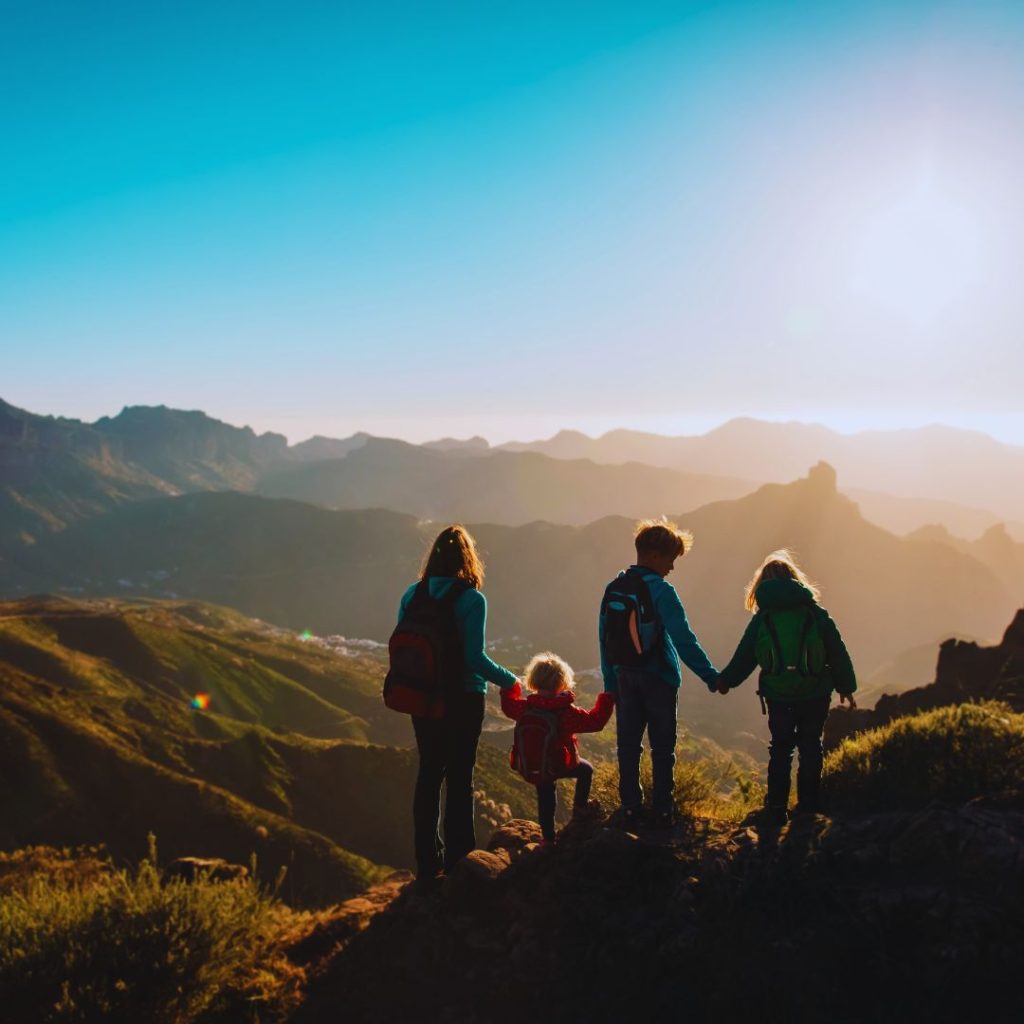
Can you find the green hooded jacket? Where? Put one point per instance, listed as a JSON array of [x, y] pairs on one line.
[[775, 595]]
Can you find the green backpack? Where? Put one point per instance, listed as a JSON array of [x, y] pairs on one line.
[[791, 652]]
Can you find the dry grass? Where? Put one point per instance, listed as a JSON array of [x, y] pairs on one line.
[[122, 946], [951, 754]]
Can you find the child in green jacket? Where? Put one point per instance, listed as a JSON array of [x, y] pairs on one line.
[[802, 659]]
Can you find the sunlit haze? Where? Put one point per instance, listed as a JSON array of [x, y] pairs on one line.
[[429, 220]]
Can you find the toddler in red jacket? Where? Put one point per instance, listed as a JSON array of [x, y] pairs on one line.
[[544, 745]]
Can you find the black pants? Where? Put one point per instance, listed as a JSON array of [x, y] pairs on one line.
[[583, 773], [447, 749], [796, 724]]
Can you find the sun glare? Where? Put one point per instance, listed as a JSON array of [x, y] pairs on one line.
[[919, 256]]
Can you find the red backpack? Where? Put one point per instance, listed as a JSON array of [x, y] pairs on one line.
[[425, 653], [538, 753]]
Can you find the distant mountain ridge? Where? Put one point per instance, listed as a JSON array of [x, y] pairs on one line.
[[55, 471], [944, 463], [301, 566], [506, 488]]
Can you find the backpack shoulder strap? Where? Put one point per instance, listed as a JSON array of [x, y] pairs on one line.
[[774, 634], [809, 619], [609, 587], [645, 595]]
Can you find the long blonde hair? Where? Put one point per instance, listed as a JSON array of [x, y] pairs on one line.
[[454, 553], [779, 565]]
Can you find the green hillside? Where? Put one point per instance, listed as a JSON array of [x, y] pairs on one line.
[[99, 743]]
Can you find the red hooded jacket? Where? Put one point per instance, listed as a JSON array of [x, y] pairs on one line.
[[571, 719]]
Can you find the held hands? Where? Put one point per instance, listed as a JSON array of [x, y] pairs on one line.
[[848, 697], [718, 686]]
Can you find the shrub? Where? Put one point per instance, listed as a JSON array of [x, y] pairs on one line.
[[122, 947], [81, 866], [951, 754]]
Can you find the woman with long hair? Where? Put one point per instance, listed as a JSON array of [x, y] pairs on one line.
[[803, 659], [447, 745]]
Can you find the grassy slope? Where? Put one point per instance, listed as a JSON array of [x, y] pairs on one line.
[[98, 742]]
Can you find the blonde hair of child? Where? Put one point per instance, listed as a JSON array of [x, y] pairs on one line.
[[548, 673], [779, 565]]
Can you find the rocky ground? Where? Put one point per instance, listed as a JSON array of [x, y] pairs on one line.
[[901, 916]]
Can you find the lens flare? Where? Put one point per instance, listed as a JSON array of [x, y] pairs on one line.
[[201, 701], [305, 635]]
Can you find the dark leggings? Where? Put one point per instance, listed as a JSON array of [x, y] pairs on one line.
[[795, 724], [583, 773], [447, 749]]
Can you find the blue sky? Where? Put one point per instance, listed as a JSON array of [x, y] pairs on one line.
[[504, 219]]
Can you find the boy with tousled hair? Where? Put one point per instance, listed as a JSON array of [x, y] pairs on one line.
[[647, 681]]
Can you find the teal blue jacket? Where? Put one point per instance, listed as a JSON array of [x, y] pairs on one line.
[[679, 641], [471, 619], [777, 594]]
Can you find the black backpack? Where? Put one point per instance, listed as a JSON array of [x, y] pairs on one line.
[[632, 627], [425, 651]]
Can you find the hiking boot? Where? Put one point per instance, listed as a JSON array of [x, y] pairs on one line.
[[633, 817], [427, 882], [774, 817], [590, 811], [663, 819]]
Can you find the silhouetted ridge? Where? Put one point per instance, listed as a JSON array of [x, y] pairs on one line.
[[965, 671]]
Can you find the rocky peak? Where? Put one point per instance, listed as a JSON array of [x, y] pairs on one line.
[[966, 671], [822, 478], [157, 434], [1013, 638]]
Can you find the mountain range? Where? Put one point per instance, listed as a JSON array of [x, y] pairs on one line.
[[508, 488], [935, 462], [55, 471], [301, 566]]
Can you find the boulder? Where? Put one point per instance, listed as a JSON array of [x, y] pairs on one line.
[[515, 836], [473, 878]]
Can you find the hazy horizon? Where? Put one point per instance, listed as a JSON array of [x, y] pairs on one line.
[[1008, 430]]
